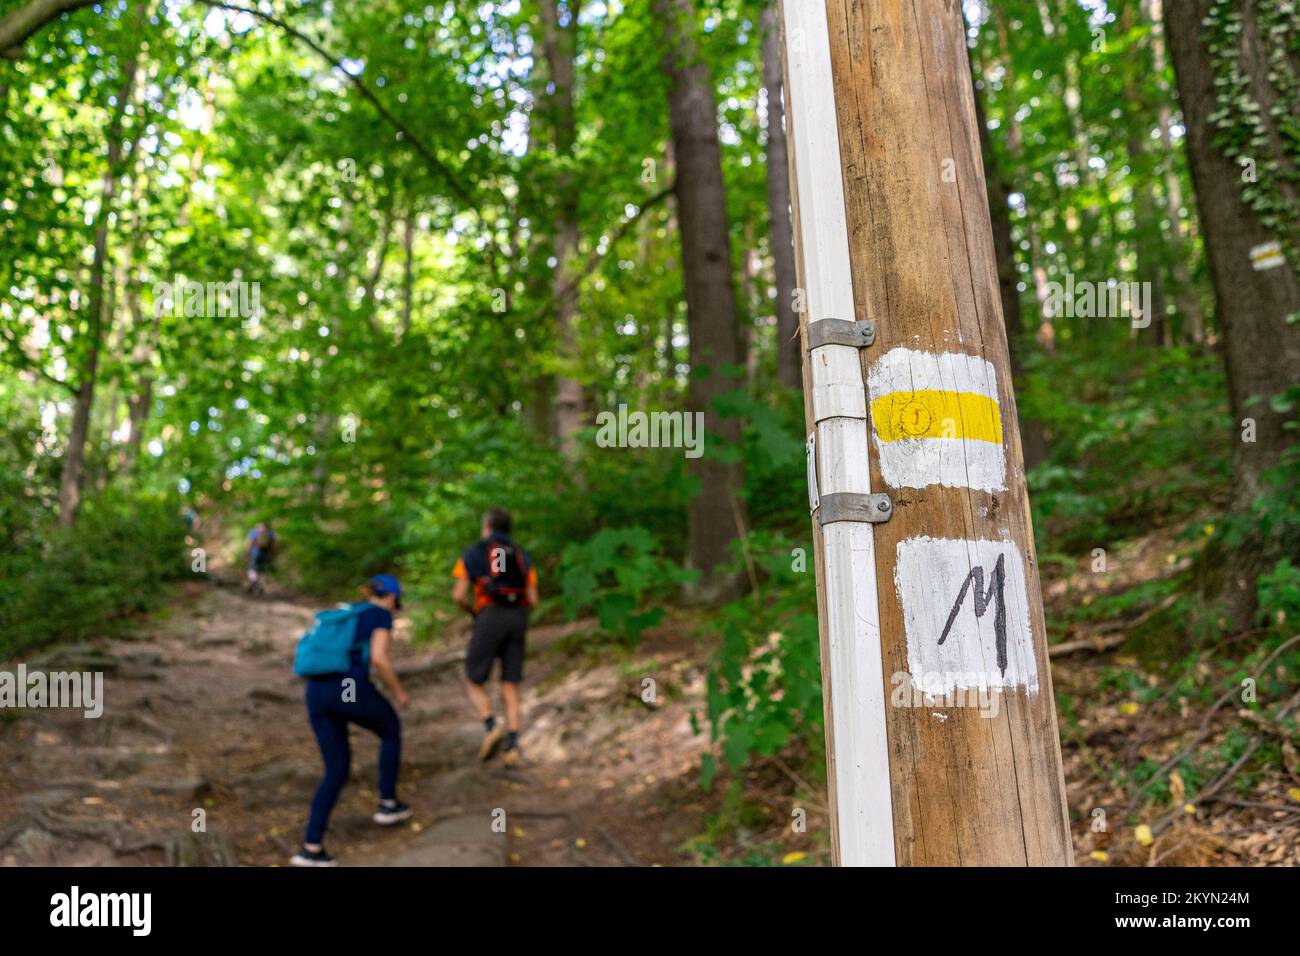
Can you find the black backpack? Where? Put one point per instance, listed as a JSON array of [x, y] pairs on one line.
[[506, 582]]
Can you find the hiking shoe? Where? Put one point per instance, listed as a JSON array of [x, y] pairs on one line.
[[388, 815], [512, 757], [491, 742], [306, 857]]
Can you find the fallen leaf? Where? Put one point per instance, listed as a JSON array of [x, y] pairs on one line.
[[794, 857], [1143, 835], [1177, 789]]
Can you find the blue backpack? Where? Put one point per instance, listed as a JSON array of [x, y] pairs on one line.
[[327, 647]]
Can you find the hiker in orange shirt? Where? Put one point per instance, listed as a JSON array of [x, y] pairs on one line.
[[504, 589]]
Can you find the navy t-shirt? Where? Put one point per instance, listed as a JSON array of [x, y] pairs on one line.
[[372, 619]]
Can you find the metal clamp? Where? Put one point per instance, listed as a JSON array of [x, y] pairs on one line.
[[850, 506], [856, 335]]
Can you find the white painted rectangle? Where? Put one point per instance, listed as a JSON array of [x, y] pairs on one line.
[[951, 645], [1266, 256], [953, 462]]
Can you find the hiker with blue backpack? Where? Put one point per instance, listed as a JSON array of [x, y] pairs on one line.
[[336, 656]]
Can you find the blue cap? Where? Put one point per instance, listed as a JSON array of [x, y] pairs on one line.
[[386, 584]]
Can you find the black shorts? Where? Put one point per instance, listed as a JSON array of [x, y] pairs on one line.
[[498, 632]]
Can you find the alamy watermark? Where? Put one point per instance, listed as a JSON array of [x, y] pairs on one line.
[[1111, 299], [651, 430], [60, 689], [214, 300], [133, 911], [966, 689]]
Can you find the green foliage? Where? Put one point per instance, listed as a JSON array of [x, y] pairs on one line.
[[74, 583], [1272, 521], [1274, 515], [764, 690], [612, 575], [1279, 594], [772, 449], [1124, 456]]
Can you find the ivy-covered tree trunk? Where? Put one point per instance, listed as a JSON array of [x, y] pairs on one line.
[[1223, 66], [789, 363], [715, 345]]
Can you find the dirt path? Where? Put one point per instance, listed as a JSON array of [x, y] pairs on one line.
[[203, 719]]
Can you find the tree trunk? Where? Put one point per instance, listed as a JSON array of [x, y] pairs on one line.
[[1146, 232], [789, 363], [1149, 241], [560, 46], [144, 334], [1261, 350], [1032, 438], [369, 290], [408, 268], [710, 293], [749, 308], [1045, 335], [1191, 318], [74, 458]]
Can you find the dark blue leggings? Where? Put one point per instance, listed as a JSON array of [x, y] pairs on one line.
[[330, 715]]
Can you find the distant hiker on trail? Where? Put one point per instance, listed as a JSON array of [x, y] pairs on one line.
[[505, 588], [336, 656], [261, 549]]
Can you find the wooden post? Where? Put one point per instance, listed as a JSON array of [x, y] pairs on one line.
[[940, 720]]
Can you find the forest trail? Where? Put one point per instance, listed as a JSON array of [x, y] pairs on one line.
[[202, 711]]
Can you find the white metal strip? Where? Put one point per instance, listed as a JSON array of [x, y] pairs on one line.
[[836, 378], [862, 781], [862, 793], [842, 456]]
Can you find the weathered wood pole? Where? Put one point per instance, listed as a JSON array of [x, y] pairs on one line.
[[927, 579]]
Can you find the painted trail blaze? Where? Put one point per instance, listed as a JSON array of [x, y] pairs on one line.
[[936, 420], [965, 614], [935, 414]]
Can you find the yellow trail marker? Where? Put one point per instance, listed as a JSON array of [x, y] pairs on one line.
[[937, 414]]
